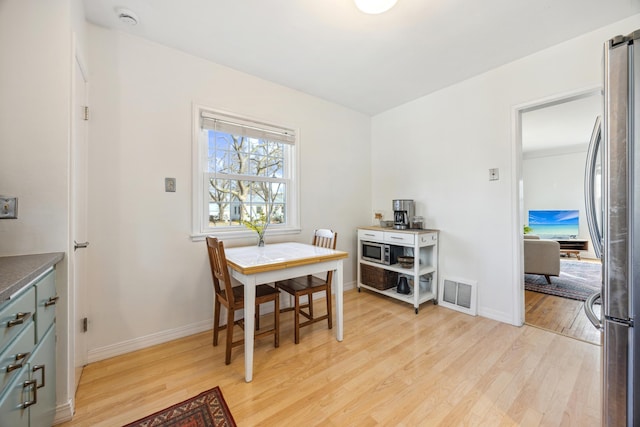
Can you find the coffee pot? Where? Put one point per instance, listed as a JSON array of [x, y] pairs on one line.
[[403, 211]]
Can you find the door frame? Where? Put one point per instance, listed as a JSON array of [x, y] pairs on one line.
[[77, 305], [517, 186]]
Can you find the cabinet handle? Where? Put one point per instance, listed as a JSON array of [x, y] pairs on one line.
[[30, 384], [19, 320], [39, 368], [18, 357], [396, 238], [22, 355], [51, 301], [14, 366]]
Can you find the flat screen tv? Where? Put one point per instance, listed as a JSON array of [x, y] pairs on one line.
[[550, 224]]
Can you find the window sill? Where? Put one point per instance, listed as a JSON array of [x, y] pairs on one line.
[[242, 234]]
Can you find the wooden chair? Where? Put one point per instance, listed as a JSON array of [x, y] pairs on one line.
[[232, 297], [309, 285]]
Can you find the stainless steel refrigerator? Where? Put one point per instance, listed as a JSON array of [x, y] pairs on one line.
[[613, 170]]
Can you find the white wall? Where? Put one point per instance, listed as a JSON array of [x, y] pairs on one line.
[[149, 281], [35, 99], [557, 182], [438, 150], [34, 123]]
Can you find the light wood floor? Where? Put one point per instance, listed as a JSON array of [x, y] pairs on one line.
[[437, 368], [561, 315]]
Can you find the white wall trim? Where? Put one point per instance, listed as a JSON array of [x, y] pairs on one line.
[[147, 341], [558, 151], [499, 316], [517, 194], [128, 346], [64, 412]]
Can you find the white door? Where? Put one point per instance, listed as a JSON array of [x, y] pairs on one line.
[[78, 239]]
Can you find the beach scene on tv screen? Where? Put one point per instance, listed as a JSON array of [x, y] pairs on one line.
[[554, 224]]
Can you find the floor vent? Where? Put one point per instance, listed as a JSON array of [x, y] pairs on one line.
[[459, 294]]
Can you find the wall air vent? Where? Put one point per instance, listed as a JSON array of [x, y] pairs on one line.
[[459, 294]]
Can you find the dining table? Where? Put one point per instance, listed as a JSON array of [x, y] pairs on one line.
[[256, 265]]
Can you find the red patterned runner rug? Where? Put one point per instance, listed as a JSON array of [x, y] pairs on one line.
[[208, 409]]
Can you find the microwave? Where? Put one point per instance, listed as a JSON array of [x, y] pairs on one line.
[[381, 253]]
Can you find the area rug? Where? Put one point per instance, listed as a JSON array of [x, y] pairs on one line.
[[208, 409], [577, 280]]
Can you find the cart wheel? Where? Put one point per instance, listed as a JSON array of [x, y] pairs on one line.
[[359, 289], [416, 311], [435, 302]]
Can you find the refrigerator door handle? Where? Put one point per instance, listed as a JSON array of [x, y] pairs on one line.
[[589, 188], [591, 315]]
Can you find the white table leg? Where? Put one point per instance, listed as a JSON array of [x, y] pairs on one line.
[[249, 324], [339, 300]]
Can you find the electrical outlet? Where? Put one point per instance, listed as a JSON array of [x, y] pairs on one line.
[[494, 174], [8, 207]]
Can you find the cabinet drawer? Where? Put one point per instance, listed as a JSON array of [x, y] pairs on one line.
[[46, 303], [43, 371], [16, 316], [399, 238], [16, 356], [371, 235], [13, 415], [428, 238]]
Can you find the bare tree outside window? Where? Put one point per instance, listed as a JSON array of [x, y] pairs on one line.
[[246, 180]]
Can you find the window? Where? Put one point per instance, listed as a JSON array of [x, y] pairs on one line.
[[245, 172]]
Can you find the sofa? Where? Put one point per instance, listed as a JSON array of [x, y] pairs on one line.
[[541, 256]]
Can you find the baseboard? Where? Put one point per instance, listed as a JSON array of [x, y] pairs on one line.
[[499, 316], [64, 413], [128, 346], [146, 341]]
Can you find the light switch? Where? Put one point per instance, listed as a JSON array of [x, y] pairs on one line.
[[170, 185], [8, 207], [494, 174]]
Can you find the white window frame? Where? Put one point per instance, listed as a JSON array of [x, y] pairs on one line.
[[200, 205]]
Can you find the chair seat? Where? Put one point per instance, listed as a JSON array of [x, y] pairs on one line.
[[301, 285], [261, 292]]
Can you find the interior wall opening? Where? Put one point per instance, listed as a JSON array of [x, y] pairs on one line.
[[553, 137]]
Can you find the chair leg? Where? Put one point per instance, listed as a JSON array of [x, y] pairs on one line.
[[257, 317], [310, 303], [329, 312], [276, 320], [227, 358], [296, 320], [216, 321]]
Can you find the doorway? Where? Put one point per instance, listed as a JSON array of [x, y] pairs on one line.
[[554, 138]]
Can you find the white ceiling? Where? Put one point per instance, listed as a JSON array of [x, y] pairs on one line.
[[369, 63], [561, 126]]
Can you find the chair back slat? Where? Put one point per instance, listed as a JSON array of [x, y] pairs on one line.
[[325, 238], [219, 268]]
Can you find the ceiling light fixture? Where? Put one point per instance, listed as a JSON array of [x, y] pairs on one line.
[[374, 7], [127, 16]]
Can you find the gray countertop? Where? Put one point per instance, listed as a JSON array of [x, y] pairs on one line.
[[18, 271], [408, 230]]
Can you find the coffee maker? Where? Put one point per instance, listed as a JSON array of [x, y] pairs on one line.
[[402, 213]]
